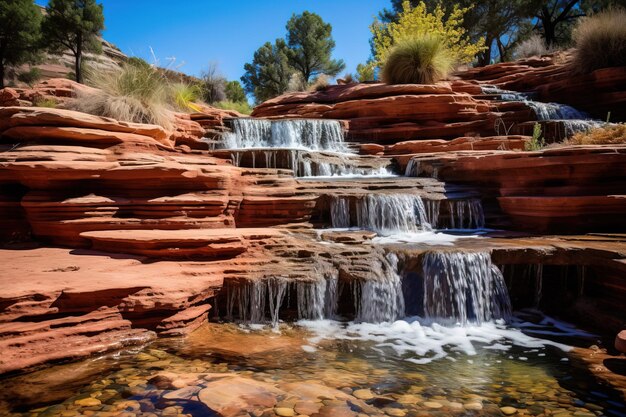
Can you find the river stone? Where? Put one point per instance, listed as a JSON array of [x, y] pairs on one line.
[[395, 412], [363, 394], [432, 404], [307, 407], [284, 412], [508, 410], [309, 390], [237, 394], [473, 406], [88, 402]]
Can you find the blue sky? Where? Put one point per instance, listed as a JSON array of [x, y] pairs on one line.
[[197, 32]]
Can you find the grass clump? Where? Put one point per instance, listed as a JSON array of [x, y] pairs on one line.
[[601, 41], [137, 92], [537, 142], [610, 135], [184, 96], [420, 59], [533, 46], [242, 106], [45, 102]]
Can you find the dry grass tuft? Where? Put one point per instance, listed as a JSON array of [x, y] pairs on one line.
[[610, 135], [533, 46], [601, 41], [136, 93], [417, 60]]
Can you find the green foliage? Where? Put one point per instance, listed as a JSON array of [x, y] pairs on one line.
[[269, 73], [20, 33], [73, 25], [419, 21], [235, 92], [30, 77], [366, 72], [601, 41], [537, 142], [45, 102], [242, 106], [183, 96], [310, 46], [422, 59], [138, 62], [134, 93]]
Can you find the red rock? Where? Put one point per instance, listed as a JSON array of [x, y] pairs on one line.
[[8, 97]]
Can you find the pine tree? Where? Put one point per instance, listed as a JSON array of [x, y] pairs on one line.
[[310, 46], [269, 73], [20, 30], [74, 25]]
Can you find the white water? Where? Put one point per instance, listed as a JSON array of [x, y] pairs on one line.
[[573, 120], [422, 341], [252, 299], [463, 287], [380, 298], [384, 214], [309, 134]]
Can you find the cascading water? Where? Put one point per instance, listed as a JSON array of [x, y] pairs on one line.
[[252, 300], [318, 135], [465, 287], [382, 213], [573, 120], [380, 299]]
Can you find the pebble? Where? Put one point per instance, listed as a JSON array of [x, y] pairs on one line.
[[88, 402], [284, 412], [508, 410], [432, 404], [395, 412], [363, 394], [473, 406]]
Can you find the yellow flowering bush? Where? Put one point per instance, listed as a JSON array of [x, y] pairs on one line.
[[417, 21]]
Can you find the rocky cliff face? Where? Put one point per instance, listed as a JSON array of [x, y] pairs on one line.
[[118, 232]]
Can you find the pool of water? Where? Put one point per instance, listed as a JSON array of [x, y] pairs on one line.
[[325, 369]]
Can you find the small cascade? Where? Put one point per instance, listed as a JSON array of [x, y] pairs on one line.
[[382, 213], [306, 163], [465, 287], [380, 299], [261, 301], [310, 134], [466, 214], [572, 120]]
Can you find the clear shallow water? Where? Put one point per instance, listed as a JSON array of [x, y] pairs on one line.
[[329, 368]]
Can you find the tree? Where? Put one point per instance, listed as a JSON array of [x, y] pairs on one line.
[[366, 72], [20, 30], [269, 73], [235, 92], [310, 46], [412, 21], [74, 25], [500, 23], [213, 84]]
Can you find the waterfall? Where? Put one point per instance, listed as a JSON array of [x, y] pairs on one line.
[[573, 120], [466, 214], [311, 134], [382, 213], [380, 298], [253, 299], [463, 286]]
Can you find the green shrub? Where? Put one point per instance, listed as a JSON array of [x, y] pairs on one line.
[[418, 60], [30, 77], [600, 41], [134, 93], [242, 107], [537, 142]]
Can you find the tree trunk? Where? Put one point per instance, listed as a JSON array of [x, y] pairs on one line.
[[485, 57], [79, 59], [1, 73]]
